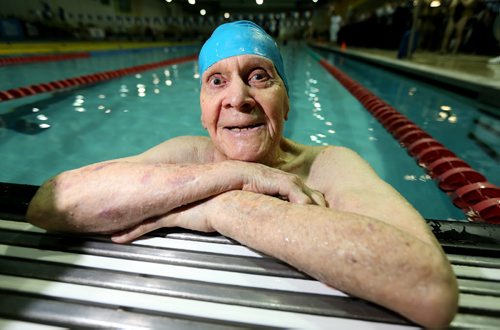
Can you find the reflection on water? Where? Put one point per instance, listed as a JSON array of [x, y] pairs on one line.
[[29, 118], [486, 133]]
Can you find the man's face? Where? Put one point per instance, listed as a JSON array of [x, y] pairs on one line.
[[243, 106]]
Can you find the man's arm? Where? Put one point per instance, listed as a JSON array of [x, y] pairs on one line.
[[416, 278], [116, 195], [357, 254]]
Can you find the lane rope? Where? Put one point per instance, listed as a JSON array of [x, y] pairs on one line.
[[468, 189], [4, 61], [93, 78], [70, 55]]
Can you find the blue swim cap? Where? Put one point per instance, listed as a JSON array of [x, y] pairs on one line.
[[240, 38]]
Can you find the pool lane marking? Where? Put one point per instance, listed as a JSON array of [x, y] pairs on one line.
[[484, 209], [93, 78]]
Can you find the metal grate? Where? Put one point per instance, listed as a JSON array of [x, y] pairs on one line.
[[188, 280]]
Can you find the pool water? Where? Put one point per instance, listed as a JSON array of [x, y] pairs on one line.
[[52, 132], [447, 116], [43, 135]]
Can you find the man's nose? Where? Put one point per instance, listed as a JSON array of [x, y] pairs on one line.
[[238, 96]]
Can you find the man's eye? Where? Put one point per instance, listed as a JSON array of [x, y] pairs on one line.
[[216, 81], [259, 76]]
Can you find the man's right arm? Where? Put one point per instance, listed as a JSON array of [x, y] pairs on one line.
[[111, 196], [115, 195]]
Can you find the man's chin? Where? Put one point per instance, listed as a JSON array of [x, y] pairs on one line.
[[246, 156]]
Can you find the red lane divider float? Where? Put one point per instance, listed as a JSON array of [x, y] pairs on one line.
[[42, 58], [16, 93], [468, 189], [474, 193]]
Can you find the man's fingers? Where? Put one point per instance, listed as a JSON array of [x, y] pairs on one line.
[[318, 198], [300, 198], [124, 236], [132, 233], [274, 182], [307, 196]]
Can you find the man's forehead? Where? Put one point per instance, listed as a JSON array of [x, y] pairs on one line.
[[242, 61]]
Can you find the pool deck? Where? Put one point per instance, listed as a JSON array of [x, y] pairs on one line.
[[39, 48]]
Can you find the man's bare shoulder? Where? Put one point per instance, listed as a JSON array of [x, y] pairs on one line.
[[182, 149], [335, 156], [336, 164]]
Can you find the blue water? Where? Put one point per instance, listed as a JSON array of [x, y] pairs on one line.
[[43, 135]]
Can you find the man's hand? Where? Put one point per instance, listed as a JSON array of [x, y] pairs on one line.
[[266, 180]]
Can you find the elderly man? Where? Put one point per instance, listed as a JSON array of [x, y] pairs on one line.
[[320, 209]]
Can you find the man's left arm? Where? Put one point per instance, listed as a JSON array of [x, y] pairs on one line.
[[356, 245], [354, 253]]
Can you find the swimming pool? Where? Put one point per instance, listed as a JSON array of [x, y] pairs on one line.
[[45, 134]]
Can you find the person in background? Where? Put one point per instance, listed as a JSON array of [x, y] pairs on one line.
[[323, 210], [496, 33], [460, 11], [335, 23], [432, 26]]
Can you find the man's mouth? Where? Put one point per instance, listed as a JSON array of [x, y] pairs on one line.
[[244, 128]]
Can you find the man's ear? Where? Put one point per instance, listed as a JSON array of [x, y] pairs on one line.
[[287, 108], [202, 122]]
